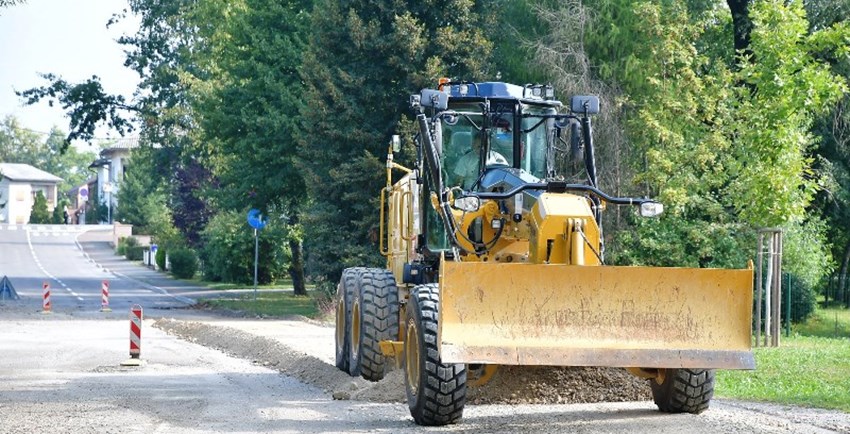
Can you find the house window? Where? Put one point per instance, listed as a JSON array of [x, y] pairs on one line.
[[20, 196]]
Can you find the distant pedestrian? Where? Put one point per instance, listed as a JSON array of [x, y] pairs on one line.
[[66, 216]]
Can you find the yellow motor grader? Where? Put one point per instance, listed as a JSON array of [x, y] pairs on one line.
[[495, 256]]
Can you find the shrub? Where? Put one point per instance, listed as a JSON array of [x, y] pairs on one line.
[[39, 213], [121, 248], [132, 250], [134, 253], [160, 258], [184, 263], [59, 213], [228, 250], [802, 298]]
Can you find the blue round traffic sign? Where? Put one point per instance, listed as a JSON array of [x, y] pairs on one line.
[[255, 219]]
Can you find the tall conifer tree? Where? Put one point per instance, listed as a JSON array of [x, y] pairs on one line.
[[363, 59]]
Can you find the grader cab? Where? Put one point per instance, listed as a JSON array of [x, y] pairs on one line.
[[495, 257]]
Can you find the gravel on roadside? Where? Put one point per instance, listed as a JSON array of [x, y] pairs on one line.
[[510, 385]]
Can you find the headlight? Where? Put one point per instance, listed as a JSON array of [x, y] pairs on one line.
[[651, 209], [467, 204]]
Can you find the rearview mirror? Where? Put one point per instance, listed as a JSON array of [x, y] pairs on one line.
[[434, 98], [584, 104], [651, 209]]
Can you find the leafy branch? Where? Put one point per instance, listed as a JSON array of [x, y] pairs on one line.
[[86, 104]]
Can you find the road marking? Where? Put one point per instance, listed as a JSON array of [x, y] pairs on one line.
[[38, 262]]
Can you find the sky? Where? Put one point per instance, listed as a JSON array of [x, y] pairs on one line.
[[68, 38]]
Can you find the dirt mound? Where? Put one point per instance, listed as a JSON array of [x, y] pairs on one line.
[[263, 351], [510, 385]]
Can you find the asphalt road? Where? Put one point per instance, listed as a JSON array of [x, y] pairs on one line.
[[34, 255], [62, 373]]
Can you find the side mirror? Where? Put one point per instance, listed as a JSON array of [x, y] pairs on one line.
[[584, 104], [434, 98], [651, 209]]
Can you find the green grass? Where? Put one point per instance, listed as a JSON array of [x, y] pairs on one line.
[[831, 322], [274, 304], [810, 368], [804, 370]]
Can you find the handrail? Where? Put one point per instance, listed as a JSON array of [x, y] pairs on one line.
[[559, 187]]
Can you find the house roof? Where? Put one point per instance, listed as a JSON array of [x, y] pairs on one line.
[[25, 172], [125, 143], [122, 146]]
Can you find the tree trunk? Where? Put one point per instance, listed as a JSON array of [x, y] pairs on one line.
[[742, 24], [842, 277], [296, 265]]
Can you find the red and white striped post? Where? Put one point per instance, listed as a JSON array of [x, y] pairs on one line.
[[104, 296], [135, 336], [45, 299]]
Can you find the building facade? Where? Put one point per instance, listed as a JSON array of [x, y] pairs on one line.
[[19, 184], [110, 166]]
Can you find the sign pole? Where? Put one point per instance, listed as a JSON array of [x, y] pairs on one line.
[[255, 220], [256, 258]]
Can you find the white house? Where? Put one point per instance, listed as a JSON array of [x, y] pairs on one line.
[[110, 168], [19, 184]]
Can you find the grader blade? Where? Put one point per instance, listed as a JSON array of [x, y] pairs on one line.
[[541, 314]]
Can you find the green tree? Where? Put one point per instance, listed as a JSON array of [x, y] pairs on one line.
[[833, 152], [248, 109], [39, 213], [70, 165], [724, 144], [95, 210], [162, 53], [59, 211], [17, 144], [361, 62], [228, 252]]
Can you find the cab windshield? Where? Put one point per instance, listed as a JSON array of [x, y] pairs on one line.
[[534, 149], [462, 142]]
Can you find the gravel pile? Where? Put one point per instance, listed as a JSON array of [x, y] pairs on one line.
[[510, 385], [560, 385]]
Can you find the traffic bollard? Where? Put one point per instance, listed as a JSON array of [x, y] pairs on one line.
[[104, 297], [45, 299], [135, 337]]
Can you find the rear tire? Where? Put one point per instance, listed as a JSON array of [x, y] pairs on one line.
[[683, 390], [344, 292], [436, 392]]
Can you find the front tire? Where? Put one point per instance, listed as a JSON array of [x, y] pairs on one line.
[[683, 390], [436, 392]]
